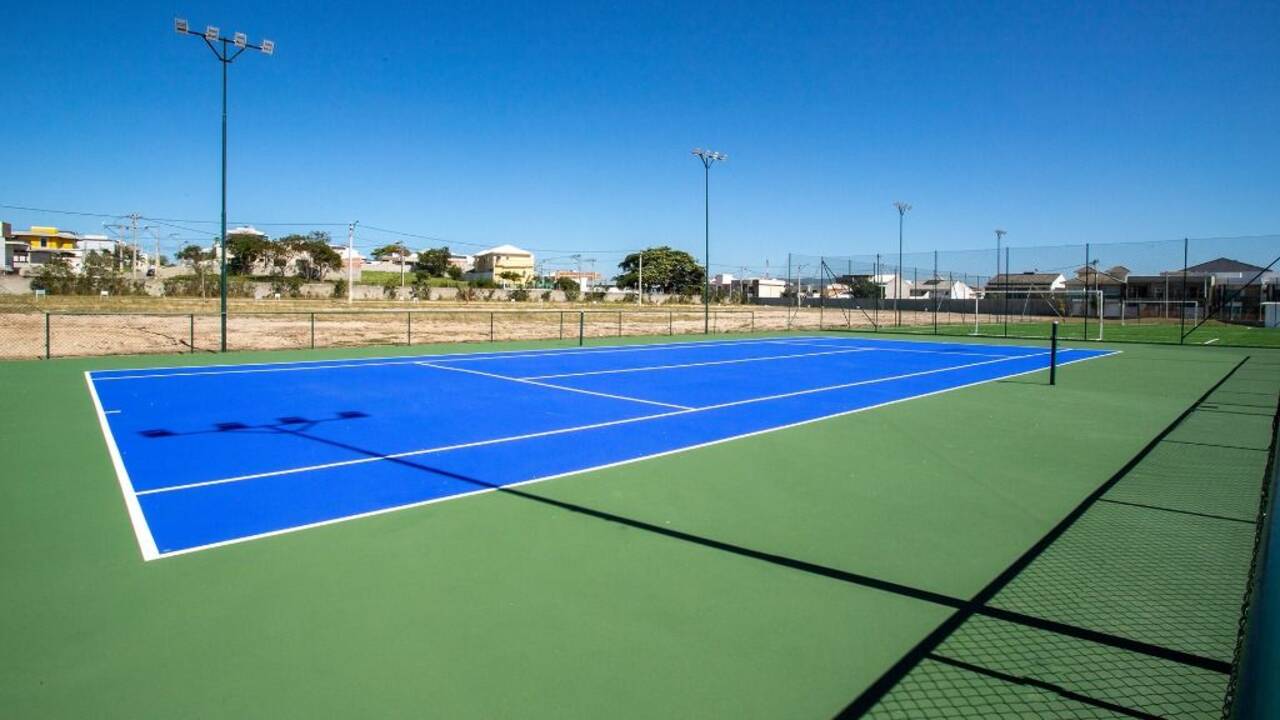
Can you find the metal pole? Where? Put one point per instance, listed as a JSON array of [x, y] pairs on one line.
[[1182, 304], [223, 270], [671, 322], [897, 291], [935, 290], [408, 328], [313, 331], [1006, 292], [351, 259], [796, 291], [561, 324], [640, 282], [706, 254], [619, 323], [875, 278], [1085, 336], [582, 321], [1053, 354], [491, 327], [47, 352], [191, 333]]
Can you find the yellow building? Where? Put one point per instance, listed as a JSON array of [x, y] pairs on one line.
[[492, 263], [38, 245]]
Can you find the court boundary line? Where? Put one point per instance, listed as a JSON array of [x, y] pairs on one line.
[[137, 518], [594, 468], [568, 430], [409, 359], [531, 381], [648, 368]]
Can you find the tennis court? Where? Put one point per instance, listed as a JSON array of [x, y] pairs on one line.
[[776, 525], [293, 445]]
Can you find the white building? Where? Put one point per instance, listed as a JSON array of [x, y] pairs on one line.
[[943, 289], [766, 287]]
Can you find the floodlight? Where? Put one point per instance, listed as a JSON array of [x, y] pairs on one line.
[[241, 40], [268, 47], [697, 151], [211, 33], [180, 25]]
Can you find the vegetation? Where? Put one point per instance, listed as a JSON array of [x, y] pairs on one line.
[[97, 275], [666, 268], [569, 287], [433, 262]]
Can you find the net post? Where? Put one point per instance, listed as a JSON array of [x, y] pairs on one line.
[[1053, 354], [582, 321], [47, 343]]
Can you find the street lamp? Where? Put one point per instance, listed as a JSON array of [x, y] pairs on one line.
[[226, 52], [897, 281], [708, 158]]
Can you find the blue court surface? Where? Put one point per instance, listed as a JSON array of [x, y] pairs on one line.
[[218, 454]]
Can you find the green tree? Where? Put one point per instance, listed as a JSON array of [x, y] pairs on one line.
[[863, 287], [569, 287], [312, 254], [511, 276], [245, 252], [454, 272], [672, 270], [432, 262], [395, 251]]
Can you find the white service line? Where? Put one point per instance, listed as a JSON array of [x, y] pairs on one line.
[[647, 368], [578, 428], [579, 471], [528, 381]]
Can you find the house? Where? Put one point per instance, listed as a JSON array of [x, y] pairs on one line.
[[586, 280], [1025, 284], [766, 287], [938, 288], [7, 246], [38, 245], [491, 264], [350, 258], [892, 285]]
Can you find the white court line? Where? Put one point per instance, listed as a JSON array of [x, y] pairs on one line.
[[647, 368], [578, 428], [141, 530], [619, 463], [529, 381], [291, 366], [110, 412], [914, 350]]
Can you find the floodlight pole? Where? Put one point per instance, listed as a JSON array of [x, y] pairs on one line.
[[708, 158], [225, 57], [902, 211], [351, 258]]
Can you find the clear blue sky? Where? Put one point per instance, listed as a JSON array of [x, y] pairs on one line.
[[568, 126]]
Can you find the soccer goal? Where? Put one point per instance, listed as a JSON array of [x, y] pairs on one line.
[[1032, 312]]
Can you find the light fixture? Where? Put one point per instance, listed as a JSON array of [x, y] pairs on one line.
[[211, 33], [180, 26]]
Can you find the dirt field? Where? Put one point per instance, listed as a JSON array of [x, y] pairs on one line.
[[78, 326]]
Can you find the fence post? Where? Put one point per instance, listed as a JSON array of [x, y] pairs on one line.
[[313, 331], [582, 322], [561, 324], [753, 321], [671, 324], [935, 290], [491, 326], [47, 352], [619, 323], [191, 332], [408, 338], [1182, 304], [1085, 335]]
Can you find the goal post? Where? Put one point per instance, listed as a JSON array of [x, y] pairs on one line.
[[1069, 307]]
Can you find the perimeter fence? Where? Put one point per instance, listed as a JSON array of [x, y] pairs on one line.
[[70, 334], [1205, 290]]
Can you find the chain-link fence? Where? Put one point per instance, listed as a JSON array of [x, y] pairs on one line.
[[1208, 290], [69, 334]]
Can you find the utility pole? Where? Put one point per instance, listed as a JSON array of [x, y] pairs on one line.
[[708, 158], [225, 56], [640, 282], [351, 259]]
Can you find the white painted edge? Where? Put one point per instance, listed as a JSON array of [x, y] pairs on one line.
[[432, 501], [530, 381], [146, 543], [649, 368]]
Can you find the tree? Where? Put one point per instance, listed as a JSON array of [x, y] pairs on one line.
[[671, 270], [245, 251], [511, 276], [197, 258], [864, 287], [395, 251], [311, 254], [454, 272], [569, 287], [432, 262]]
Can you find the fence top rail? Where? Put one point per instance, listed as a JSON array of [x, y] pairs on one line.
[[384, 311]]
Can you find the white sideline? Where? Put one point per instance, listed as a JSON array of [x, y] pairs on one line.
[[146, 543], [913, 350], [530, 381], [579, 428], [674, 451], [647, 368], [291, 365]]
